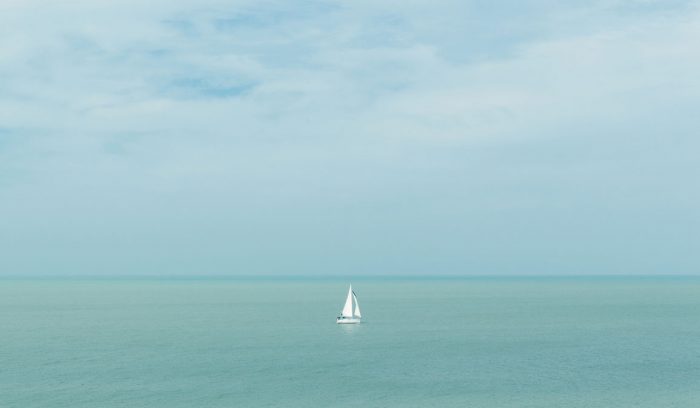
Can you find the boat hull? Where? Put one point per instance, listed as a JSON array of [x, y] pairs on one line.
[[347, 321]]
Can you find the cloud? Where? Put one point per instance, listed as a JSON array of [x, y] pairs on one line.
[[402, 128]]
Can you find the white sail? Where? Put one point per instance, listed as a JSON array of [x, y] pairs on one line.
[[347, 309], [357, 306]]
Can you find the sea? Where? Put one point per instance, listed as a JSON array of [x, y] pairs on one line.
[[424, 342]]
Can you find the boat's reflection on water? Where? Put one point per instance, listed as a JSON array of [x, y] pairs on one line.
[[351, 328]]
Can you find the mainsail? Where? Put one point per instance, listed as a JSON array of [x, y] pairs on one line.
[[357, 306], [347, 309]]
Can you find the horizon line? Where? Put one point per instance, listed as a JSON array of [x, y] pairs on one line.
[[294, 277]]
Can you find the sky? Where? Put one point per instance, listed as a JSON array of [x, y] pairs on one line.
[[349, 137]]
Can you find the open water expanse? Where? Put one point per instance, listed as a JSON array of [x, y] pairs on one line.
[[505, 342]]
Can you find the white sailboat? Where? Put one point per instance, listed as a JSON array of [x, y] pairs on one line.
[[351, 311]]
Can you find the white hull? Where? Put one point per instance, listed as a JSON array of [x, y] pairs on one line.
[[347, 320]]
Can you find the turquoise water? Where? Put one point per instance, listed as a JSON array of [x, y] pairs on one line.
[[536, 342]]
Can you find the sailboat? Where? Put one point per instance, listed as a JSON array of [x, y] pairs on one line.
[[351, 311]]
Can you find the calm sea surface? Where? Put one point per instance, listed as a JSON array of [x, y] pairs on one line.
[[507, 342]]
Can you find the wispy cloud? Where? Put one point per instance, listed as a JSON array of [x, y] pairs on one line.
[[407, 131]]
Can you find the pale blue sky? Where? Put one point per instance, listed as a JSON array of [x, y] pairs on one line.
[[349, 137]]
